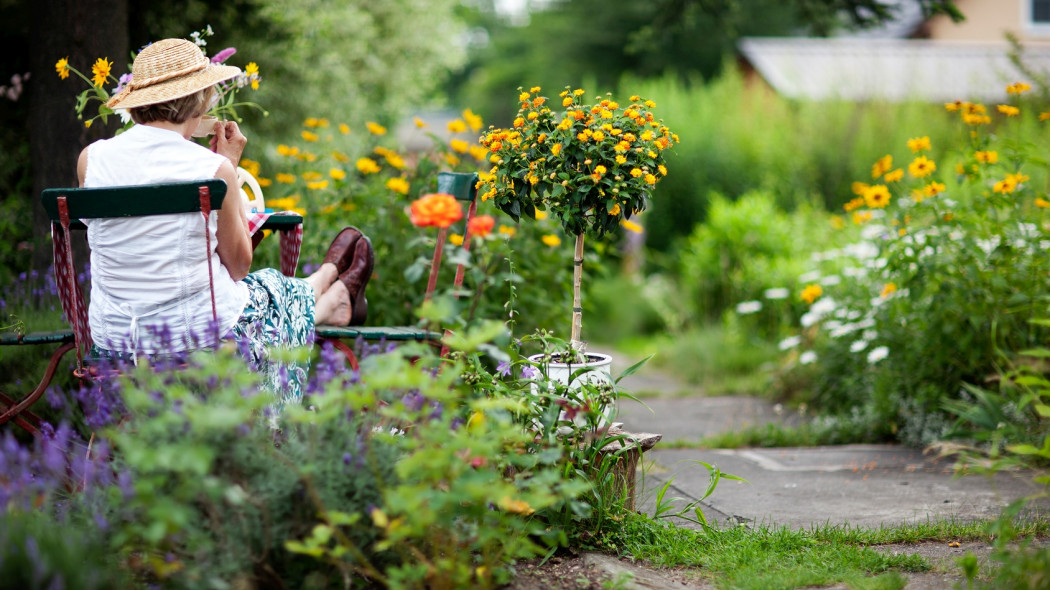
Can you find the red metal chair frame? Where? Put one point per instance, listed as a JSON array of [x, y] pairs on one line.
[[66, 207]]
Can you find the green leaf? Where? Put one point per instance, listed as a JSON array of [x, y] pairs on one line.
[[634, 368], [338, 518], [1023, 449], [1036, 352], [297, 547], [471, 340]]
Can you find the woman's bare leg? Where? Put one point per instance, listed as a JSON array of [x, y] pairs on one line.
[[333, 307], [323, 279]]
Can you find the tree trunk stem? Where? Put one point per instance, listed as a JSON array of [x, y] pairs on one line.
[[577, 305]]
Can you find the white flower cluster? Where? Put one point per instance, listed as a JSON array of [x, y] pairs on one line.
[[198, 37]]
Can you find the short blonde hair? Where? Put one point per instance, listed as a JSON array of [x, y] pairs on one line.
[[178, 110]]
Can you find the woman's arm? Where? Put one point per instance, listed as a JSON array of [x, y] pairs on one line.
[[82, 166], [234, 243]]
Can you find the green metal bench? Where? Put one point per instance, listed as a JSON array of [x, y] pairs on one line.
[[65, 207], [18, 411], [462, 186]]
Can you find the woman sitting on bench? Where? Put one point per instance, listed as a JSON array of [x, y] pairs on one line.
[[149, 292]]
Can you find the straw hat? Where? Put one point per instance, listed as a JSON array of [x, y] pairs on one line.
[[166, 70]]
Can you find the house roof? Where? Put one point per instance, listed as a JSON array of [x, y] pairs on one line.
[[889, 69]]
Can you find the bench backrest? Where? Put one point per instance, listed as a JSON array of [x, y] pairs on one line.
[[65, 206], [134, 201]]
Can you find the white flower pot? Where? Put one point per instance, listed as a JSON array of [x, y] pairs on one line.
[[597, 370]]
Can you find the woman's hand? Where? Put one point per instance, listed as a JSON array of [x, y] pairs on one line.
[[228, 141], [234, 245]]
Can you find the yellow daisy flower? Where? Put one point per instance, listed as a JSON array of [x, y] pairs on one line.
[[918, 144], [987, 157], [62, 67], [921, 167], [811, 293], [398, 185], [100, 71], [367, 165], [631, 226]]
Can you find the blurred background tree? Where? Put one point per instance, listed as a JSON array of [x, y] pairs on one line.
[[360, 60]]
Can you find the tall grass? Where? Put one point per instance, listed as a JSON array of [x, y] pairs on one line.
[[738, 135]]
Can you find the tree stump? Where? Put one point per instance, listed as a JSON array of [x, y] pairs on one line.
[[629, 451]]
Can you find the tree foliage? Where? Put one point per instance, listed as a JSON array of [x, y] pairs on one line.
[[594, 42]]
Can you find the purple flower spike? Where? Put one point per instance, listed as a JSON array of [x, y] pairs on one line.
[[223, 55]]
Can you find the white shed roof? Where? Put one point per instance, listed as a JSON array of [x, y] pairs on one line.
[[889, 69]]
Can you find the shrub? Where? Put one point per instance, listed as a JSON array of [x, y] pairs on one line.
[[749, 250], [417, 471], [949, 272]]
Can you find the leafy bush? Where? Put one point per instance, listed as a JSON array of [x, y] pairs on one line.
[[750, 250], [950, 270], [415, 472]]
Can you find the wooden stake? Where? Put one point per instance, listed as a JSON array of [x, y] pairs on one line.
[[577, 304]]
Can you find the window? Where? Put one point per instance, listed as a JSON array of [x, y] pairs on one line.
[[1040, 11], [1035, 17]]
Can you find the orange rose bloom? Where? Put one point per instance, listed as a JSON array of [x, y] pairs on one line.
[[437, 209], [481, 225]]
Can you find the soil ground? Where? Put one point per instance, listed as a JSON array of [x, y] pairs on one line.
[[595, 571]]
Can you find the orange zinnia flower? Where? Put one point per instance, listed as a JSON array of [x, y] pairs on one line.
[[437, 209], [481, 225]]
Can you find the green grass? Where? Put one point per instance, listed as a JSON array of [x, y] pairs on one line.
[[782, 558], [808, 434], [21, 367], [711, 359]]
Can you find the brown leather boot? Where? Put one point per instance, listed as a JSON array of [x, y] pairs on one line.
[[341, 252], [356, 278]]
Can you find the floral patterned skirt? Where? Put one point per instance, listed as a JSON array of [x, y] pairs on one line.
[[279, 315]]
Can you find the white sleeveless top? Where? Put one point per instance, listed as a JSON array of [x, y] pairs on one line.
[[149, 275]]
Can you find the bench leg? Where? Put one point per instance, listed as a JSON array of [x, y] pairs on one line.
[[32, 425], [15, 409]]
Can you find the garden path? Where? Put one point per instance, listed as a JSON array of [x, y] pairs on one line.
[[859, 485], [855, 485]]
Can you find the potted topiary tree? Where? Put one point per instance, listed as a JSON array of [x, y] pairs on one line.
[[591, 165]]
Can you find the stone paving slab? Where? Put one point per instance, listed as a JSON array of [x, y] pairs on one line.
[[859, 485], [689, 419]]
